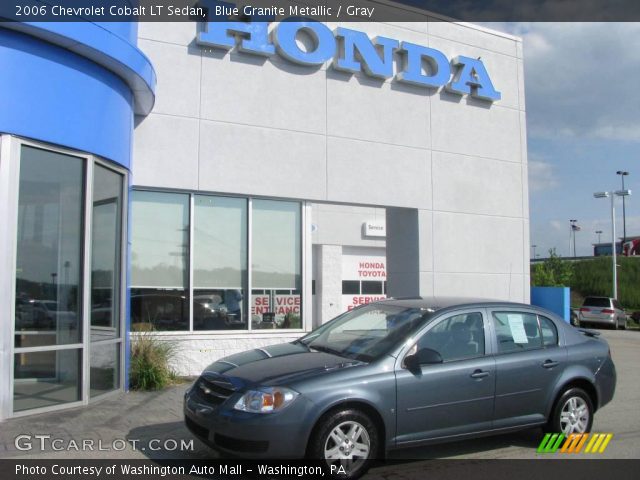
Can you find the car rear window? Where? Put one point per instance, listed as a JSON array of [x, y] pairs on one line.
[[596, 302]]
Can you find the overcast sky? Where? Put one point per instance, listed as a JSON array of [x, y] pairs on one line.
[[582, 85]]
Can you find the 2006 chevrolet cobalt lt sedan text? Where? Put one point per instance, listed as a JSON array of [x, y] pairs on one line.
[[399, 373]]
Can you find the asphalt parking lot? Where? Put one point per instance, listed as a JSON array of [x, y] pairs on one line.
[[151, 419]]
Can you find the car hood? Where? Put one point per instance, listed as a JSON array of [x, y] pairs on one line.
[[280, 364]]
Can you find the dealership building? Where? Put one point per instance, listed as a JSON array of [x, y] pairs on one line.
[[226, 186]]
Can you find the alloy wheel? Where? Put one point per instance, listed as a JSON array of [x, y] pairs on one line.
[[574, 416], [349, 445]]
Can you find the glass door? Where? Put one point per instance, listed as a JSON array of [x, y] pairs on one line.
[[49, 281], [67, 344], [106, 261]]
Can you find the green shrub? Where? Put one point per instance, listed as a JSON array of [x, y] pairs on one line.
[[591, 277], [150, 358], [594, 277], [553, 272]]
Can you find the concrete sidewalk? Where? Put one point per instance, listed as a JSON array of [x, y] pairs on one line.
[[146, 420]]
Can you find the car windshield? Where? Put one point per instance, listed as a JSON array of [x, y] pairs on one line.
[[597, 302], [367, 333]]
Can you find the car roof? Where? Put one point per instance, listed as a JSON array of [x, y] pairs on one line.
[[440, 303]]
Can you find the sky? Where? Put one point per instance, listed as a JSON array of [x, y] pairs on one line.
[[582, 87]]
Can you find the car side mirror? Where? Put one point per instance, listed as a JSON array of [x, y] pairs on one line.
[[424, 356]]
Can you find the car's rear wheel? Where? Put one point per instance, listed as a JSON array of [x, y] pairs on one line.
[[573, 413], [347, 440]]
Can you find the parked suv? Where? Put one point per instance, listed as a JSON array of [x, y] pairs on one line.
[[603, 311]]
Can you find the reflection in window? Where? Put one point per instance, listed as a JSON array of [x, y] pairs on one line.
[[159, 261], [516, 331], [219, 263], [457, 337], [276, 264], [105, 254], [105, 373], [42, 379], [49, 253], [549, 332]]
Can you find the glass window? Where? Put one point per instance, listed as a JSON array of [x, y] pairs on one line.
[[457, 337], [371, 288], [549, 332], [219, 263], [49, 253], [276, 264], [516, 331], [368, 332], [159, 261], [351, 287], [105, 254], [43, 379], [601, 302], [105, 368]]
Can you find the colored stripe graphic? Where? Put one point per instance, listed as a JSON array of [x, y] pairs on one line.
[[598, 443], [575, 442], [550, 443]]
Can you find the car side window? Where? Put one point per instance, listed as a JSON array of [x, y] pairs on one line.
[[516, 331], [457, 337], [549, 332]]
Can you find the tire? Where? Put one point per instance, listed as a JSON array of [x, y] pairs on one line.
[[340, 438], [567, 417]]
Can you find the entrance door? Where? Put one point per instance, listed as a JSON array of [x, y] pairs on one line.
[[48, 298], [106, 260], [67, 334]]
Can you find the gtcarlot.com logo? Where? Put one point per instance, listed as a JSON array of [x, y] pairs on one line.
[[575, 443]]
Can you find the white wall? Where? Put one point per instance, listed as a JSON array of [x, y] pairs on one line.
[[236, 123]]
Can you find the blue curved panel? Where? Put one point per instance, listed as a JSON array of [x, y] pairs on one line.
[[50, 94], [112, 45]]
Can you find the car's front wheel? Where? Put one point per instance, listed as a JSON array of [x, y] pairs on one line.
[[573, 413], [347, 440]]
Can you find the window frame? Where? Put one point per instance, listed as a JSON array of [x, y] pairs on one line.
[[494, 335], [305, 263], [10, 162], [443, 318]]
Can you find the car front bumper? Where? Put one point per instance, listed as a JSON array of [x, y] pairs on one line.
[[250, 435]]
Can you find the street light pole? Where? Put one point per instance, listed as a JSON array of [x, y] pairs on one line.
[[534, 250], [573, 232], [613, 246], [599, 232], [623, 174], [613, 194]]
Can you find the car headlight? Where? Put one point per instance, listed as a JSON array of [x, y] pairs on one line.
[[266, 400]]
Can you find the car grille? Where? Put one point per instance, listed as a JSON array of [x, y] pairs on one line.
[[213, 390]]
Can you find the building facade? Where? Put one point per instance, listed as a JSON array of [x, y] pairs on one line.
[[269, 181]]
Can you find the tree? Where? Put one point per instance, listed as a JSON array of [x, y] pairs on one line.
[[553, 272]]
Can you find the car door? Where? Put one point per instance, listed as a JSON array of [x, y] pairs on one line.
[[529, 363], [453, 397]]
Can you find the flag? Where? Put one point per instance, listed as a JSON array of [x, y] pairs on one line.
[[575, 228]]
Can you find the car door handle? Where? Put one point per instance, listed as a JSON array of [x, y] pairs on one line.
[[550, 364], [479, 374]]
